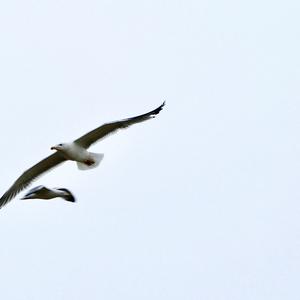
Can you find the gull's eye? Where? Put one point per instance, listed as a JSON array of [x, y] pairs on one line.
[[60, 144]]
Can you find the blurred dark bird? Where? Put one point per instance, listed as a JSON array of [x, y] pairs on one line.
[[42, 192]]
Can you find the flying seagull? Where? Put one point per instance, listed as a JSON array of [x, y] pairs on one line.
[[76, 151], [42, 192]]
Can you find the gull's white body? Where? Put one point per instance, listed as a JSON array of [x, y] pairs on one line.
[[74, 152], [85, 160]]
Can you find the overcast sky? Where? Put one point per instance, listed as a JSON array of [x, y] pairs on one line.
[[201, 202]]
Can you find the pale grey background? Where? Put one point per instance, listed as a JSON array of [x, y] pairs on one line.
[[202, 202]]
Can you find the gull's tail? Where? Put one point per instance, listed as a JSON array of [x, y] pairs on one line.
[[92, 163]]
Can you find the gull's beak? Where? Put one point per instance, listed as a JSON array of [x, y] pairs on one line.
[[53, 148]]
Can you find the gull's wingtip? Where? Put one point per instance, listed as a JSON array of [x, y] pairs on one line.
[[163, 104], [157, 110]]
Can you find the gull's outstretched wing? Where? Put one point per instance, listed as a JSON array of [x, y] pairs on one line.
[[93, 136], [29, 175]]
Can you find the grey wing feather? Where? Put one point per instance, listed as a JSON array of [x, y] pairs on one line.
[[36, 188], [31, 174], [93, 136]]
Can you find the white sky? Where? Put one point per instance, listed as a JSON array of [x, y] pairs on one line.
[[202, 202]]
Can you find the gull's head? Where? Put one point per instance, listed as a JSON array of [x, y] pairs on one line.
[[58, 147]]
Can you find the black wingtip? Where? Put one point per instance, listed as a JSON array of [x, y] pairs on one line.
[[157, 110], [69, 197]]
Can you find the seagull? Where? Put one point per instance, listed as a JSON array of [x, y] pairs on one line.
[[74, 151], [42, 192]]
